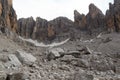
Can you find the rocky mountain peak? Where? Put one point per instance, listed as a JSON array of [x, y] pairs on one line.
[[76, 13], [113, 17], [8, 17], [93, 10]]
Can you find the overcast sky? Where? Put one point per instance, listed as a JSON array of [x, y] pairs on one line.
[[50, 9]]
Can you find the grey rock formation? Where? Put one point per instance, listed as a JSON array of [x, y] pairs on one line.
[[17, 76], [25, 27], [8, 17], [25, 58], [13, 62], [80, 20], [43, 30], [113, 17]]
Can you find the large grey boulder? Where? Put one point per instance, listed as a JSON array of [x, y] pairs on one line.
[[54, 53], [3, 75], [13, 61], [1, 66], [25, 58]]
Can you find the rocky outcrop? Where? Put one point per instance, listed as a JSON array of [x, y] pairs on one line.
[[25, 27], [8, 16], [43, 30], [113, 16], [62, 26], [79, 20], [93, 23], [95, 19], [40, 29], [109, 18], [90, 22]]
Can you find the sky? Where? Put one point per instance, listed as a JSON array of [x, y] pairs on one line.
[[50, 9]]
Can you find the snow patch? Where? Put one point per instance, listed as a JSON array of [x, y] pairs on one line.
[[37, 44]]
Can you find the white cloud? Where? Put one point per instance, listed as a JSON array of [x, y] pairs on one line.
[[50, 9]]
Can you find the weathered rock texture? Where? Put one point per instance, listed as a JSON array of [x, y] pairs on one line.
[[43, 30], [90, 22], [93, 23], [95, 18], [8, 16], [80, 20], [113, 16]]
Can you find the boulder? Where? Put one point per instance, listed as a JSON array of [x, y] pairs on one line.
[[17, 76], [1, 67], [82, 50], [54, 53], [80, 63], [25, 58], [3, 75], [67, 58], [13, 61]]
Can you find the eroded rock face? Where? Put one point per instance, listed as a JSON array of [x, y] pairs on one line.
[[25, 27], [95, 18], [110, 18], [40, 29], [79, 20], [43, 30], [8, 16], [92, 21], [113, 16], [62, 26]]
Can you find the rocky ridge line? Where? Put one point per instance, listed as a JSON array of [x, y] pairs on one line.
[[93, 23]]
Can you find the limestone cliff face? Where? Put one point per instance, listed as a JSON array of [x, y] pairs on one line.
[[113, 17], [43, 30], [8, 16], [95, 19], [40, 29], [79, 20]]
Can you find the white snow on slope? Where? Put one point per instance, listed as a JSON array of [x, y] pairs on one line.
[[36, 43]]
